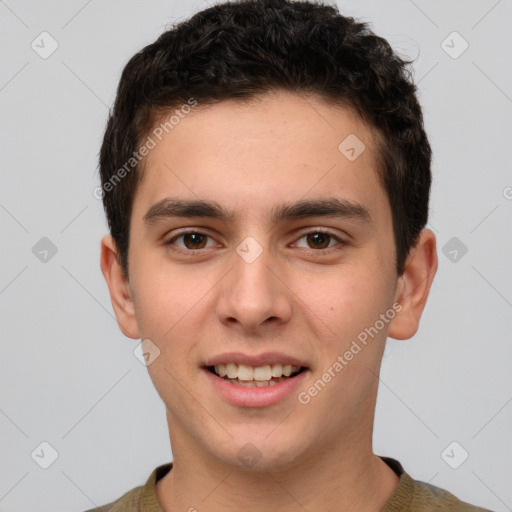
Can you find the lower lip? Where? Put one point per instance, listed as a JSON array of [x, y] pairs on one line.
[[243, 396]]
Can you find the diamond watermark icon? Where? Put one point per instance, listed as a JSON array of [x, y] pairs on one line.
[[454, 249], [44, 250], [351, 147], [454, 455], [146, 352], [44, 45], [249, 455], [454, 45], [44, 455], [249, 250]]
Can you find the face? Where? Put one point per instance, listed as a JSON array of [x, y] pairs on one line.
[[258, 247]]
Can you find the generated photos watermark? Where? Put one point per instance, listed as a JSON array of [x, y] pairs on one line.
[[305, 397], [150, 143]]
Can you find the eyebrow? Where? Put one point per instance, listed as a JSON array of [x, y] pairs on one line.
[[329, 207]]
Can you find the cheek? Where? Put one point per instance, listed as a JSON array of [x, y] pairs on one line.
[[161, 299], [346, 299], [172, 303]]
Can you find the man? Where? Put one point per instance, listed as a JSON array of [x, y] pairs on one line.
[[266, 178]]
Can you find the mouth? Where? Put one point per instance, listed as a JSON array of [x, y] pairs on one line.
[[255, 376]]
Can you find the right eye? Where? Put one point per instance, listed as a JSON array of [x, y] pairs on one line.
[[191, 241]]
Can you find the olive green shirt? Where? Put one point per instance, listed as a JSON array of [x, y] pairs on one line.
[[409, 496]]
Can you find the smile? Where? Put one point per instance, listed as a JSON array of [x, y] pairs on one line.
[[255, 376]]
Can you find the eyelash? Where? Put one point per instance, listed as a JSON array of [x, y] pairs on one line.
[[171, 241]]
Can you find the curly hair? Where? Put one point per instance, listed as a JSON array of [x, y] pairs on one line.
[[240, 49]]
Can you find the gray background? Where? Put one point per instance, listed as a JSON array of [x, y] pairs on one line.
[[68, 376]]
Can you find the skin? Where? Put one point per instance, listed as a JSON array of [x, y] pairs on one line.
[[297, 297]]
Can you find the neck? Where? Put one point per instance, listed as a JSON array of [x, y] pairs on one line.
[[348, 477]]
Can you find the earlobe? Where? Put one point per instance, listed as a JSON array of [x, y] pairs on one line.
[[119, 288], [413, 286]]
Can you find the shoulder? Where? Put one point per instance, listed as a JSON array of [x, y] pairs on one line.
[[416, 496], [128, 502], [428, 497], [140, 498]]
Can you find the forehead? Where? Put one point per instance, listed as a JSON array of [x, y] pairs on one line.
[[253, 155]]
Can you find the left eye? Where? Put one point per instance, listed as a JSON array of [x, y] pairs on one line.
[[319, 240]]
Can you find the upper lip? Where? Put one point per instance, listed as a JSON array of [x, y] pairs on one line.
[[266, 358]]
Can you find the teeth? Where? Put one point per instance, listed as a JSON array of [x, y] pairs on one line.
[[256, 383], [231, 370], [287, 370], [259, 374], [277, 370], [262, 373], [221, 370], [245, 372]]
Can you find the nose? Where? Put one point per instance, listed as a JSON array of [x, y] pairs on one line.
[[254, 297]]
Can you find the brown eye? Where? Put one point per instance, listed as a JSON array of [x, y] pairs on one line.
[[190, 241], [318, 240], [194, 240]]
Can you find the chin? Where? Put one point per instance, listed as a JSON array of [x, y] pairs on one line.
[[261, 453]]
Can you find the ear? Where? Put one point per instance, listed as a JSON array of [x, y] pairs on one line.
[[119, 288], [413, 286]]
